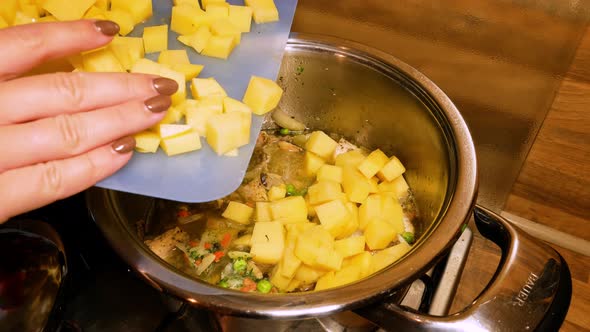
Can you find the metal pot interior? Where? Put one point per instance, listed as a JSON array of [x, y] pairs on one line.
[[373, 100]]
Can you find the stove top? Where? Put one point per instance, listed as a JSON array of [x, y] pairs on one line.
[[102, 293]]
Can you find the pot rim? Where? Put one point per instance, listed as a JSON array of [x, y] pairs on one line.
[[456, 211]]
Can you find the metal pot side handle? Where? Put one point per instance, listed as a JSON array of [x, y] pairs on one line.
[[530, 291]]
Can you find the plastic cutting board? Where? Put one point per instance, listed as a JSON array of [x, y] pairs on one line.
[[202, 175]]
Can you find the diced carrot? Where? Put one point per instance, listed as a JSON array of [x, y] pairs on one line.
[[218, 255], [226, 240], [193, 243], [207, 245], [182, 214], [198, 262], [251, 204], [248, 286]]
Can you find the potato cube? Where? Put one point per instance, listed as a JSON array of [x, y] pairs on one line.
[[198, 114], [263, 11], [379, 234], [128, 50], [48, 18], [205, 3], [351, 158], [217, 10], [356, 186], [226, 132], [182, 19], [290, 263], [268, 242], [21, 18], [289, 210], [325, 282], [141, 10], [231, 105], [346, 275], [334, 216], [263, 212], [392, 212], [330, 173], [310, 241], [373, 163], [102, 4], [369, 210], [171, 57], [219, 47], [293, 285], [173, 115], [324, 191], [238, 212], [207, 87], [262, 95], [198, 40], [307, 274], [3, 23], [8, 10], [321, 144], [363, 261], [66, 10], [95, 12], [224, 27], [398, 187], [146, 66], [278, 279], [312, 163], [155, 38], [277, 192], [180, 95], [187, 142], [391, 170], [171, 130], [328, 259], [241, 17], [350, 246], [353, 223], [388, 256], [123, 19], [244, 241], [147, 142], [102, 60], [189, 70]]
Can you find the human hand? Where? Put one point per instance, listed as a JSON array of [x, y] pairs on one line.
[[61, 133]]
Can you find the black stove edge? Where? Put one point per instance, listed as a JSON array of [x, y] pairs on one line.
[[555, 316]]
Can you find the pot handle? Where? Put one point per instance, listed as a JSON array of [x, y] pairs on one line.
[[531, 289]]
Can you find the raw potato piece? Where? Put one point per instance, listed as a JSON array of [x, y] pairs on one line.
[[334, 216], [155, 38], [350, 246], [268, 242], [8, 10], [373, 163], [182, 19], [388, 256], [399, 187], [128, 50], [224, 27], [277, 192], [102, 60], [198, 113], [183, 143], [289, 210], [189, 70], [330, 173], [141, 10], [122, 18], [312, 163], [241, 17], [207, 87], [147, 142], [226, 132], [173, 57], [379, 234], [264, 11], [262, 95], [356, 185], [66, 10], [171, 130], [238, 212], [391, 170], [217, 11], [219, 47], [321, 144], [263, 211], [231, 105], [324, 191], [197, 40]]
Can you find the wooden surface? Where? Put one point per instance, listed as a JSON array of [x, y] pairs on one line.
[[553, 188]]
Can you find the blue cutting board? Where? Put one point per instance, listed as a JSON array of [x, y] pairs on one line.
[[202, 175]]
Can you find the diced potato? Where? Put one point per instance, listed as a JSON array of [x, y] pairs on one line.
[[356, 186], [370, 209], [155, 38], [263, 11], [391, 170], [328, 259], [398, 187], [128, 50], [207, 87], [289, 210], [373, 163], [226, 132], [334, 216], [231, 105], [173, 115], [238, 212], [147, 142], [321, 144], [324, 191], [262, 95], [30, 10], [183, 17], [330, 173], [224, 27], [141, 10], [66, 10], [171, 130], [290, 263], [346, 276], [48, 18], [8, 10], [172, 57], [373, 185], [184, 143], [379, 234], [307, 274], [312, 163], [392, 212], [293, 285], [388, 256], [219, 47], [94, 12], [21, 18], [351, 158], [198, 113], [326, 281], [3, 23], [353, 222], [189, 70], [241, 17], [263, 212], [146, 66], [363, 261], [350, 246], [217, 10], [205, 3], [268, 242], [310, 209], [102, 4], [123, 19], [102, 60], [309, 243], [180, 95], [243, 240], [198, 40], [277, 192], [278, 279]]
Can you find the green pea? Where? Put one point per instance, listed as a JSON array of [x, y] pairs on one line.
[[264, 286], [240, 265], [223, 283], [409, 237], [284, 131], [291, 191]]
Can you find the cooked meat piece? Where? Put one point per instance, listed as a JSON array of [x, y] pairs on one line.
[[163, 244], [344, 146], [253, 191]]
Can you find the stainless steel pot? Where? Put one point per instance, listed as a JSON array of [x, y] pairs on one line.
[[375, 100]]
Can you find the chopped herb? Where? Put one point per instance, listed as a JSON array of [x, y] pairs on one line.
[[240, 265], [409, 237], [300, 70], [264, 286], [463, 228]]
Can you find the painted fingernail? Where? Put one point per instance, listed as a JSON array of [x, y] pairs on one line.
[[124, 145], [158, 104], [108, 28], [165, 86]]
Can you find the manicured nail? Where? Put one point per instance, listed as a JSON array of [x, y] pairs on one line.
[[108, 28], [158, 104], [165, 86], [124, 145]]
